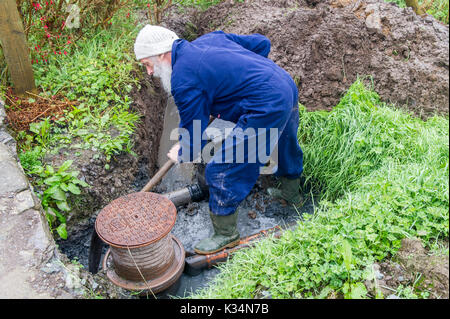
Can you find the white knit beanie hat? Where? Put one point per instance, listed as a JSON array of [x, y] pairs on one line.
[[153, 40]]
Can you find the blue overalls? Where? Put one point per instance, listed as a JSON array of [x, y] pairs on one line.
[[230, 77]]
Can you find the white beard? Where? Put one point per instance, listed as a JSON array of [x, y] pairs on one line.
[[164, 72]]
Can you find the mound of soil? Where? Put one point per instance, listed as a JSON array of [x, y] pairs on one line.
[[325, 45], [434, 269], [413, 266]]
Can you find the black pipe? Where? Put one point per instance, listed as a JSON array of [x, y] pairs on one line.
[[191, 193], [95, 252]]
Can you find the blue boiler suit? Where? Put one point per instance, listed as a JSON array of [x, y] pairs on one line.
[[230, 77]]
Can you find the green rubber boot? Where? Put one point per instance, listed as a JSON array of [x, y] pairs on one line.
[[288, 191], [225, 234]]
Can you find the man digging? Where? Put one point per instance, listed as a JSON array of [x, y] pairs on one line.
[[228, 76]]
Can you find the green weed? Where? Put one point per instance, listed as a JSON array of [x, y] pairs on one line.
[[436, 8], [383, 175], [31, 159], [55, 185]]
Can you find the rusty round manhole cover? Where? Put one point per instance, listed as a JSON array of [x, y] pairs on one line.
[[136, 220]]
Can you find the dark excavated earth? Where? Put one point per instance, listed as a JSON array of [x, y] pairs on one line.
[[325, 45], [258, 212]]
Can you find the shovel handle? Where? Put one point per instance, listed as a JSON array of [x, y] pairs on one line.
[[163, 170], [158, 176]]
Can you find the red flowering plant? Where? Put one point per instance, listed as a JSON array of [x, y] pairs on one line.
[[54, 26], [156, 9], [44, 23]]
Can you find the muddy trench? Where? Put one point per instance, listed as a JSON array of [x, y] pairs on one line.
[[128, 174], [337, 43]]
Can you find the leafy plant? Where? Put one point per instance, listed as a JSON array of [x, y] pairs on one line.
[[406, 292], [42, 132], [31, 159], [99, 76], [384, 176], [436, 8], [351, 290], [55, 187]]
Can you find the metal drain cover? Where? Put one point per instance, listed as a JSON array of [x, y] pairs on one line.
[[136, 220]]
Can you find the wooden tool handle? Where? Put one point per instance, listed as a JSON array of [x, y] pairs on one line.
[[163, 170], [158, 176]]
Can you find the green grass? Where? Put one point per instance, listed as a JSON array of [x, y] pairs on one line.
[[202, 4], [437, 8], [383, 175], [97, 72]]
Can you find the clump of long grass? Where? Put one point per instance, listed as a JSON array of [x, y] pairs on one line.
[[356, 138], [384, 175], [436, 8]]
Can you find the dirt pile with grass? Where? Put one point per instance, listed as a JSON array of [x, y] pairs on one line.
[[434, 269], [105, 184], [325, 45], [415, 269]]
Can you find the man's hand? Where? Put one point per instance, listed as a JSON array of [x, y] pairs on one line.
[[173, 153]]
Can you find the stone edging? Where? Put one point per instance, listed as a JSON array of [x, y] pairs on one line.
[[31, 266], [26, 244]]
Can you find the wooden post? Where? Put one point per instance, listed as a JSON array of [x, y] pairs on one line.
[[15, 47]]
